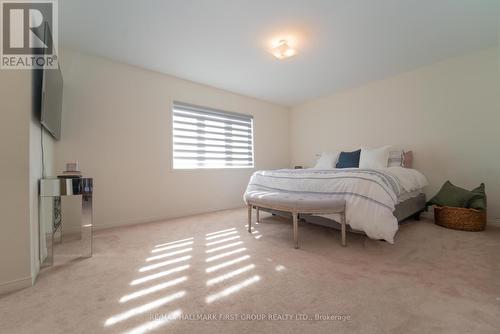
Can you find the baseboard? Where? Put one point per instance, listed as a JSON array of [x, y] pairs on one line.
[[494, 222], [15, 285], [77, 229], [427, 214], [129, 222], [133, 222], [155, 219]]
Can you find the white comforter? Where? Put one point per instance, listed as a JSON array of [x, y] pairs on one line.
[[370, 194]]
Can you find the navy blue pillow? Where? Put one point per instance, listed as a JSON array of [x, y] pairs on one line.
[[349, 159]]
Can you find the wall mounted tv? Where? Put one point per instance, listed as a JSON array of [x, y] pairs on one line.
[[51, 95]]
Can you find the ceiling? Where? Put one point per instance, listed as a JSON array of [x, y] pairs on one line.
[[224, 43]]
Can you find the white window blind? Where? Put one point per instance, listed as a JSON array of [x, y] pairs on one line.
[[209, 138]]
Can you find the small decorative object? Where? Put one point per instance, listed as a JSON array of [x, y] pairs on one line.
[[72, 170], [72, 166], [459, 208]]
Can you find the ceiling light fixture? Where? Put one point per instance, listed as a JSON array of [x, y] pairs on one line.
[[282, 50]]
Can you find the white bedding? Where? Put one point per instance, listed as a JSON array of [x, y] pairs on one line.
[[370, 194]]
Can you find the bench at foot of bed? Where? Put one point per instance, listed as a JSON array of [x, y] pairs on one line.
[[296, 204]]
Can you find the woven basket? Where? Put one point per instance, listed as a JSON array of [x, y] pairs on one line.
[[460, 218]]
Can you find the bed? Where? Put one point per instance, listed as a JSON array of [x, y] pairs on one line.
[[376, 199]]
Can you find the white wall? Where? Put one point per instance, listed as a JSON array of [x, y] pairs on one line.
[[20, 170], [117, 123], [448, 113], [15, 107]]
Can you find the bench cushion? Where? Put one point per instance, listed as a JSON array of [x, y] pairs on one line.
[[299, 202]]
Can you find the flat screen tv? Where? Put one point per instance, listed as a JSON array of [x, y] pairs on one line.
[[51, 97]]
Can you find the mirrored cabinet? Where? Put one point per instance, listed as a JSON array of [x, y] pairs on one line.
[[74, 243]]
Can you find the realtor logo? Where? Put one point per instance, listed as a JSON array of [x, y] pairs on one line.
[[29, 34]]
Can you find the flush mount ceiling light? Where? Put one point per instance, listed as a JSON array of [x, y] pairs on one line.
[[282, 50]]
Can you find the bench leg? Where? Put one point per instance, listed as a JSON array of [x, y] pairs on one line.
[[295, 229], [342, 219], [249, 217], [257, 216]]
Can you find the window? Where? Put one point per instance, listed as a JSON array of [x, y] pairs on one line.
[[209, 138]]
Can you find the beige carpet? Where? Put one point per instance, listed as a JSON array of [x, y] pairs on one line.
[[432, 280]]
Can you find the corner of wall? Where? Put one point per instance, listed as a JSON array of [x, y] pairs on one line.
[[498, 49], [290, 157]]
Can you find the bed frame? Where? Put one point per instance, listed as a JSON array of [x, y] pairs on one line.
[[409, 209]]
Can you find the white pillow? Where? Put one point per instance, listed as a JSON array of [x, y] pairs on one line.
[[376, 158], [327, 160]]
